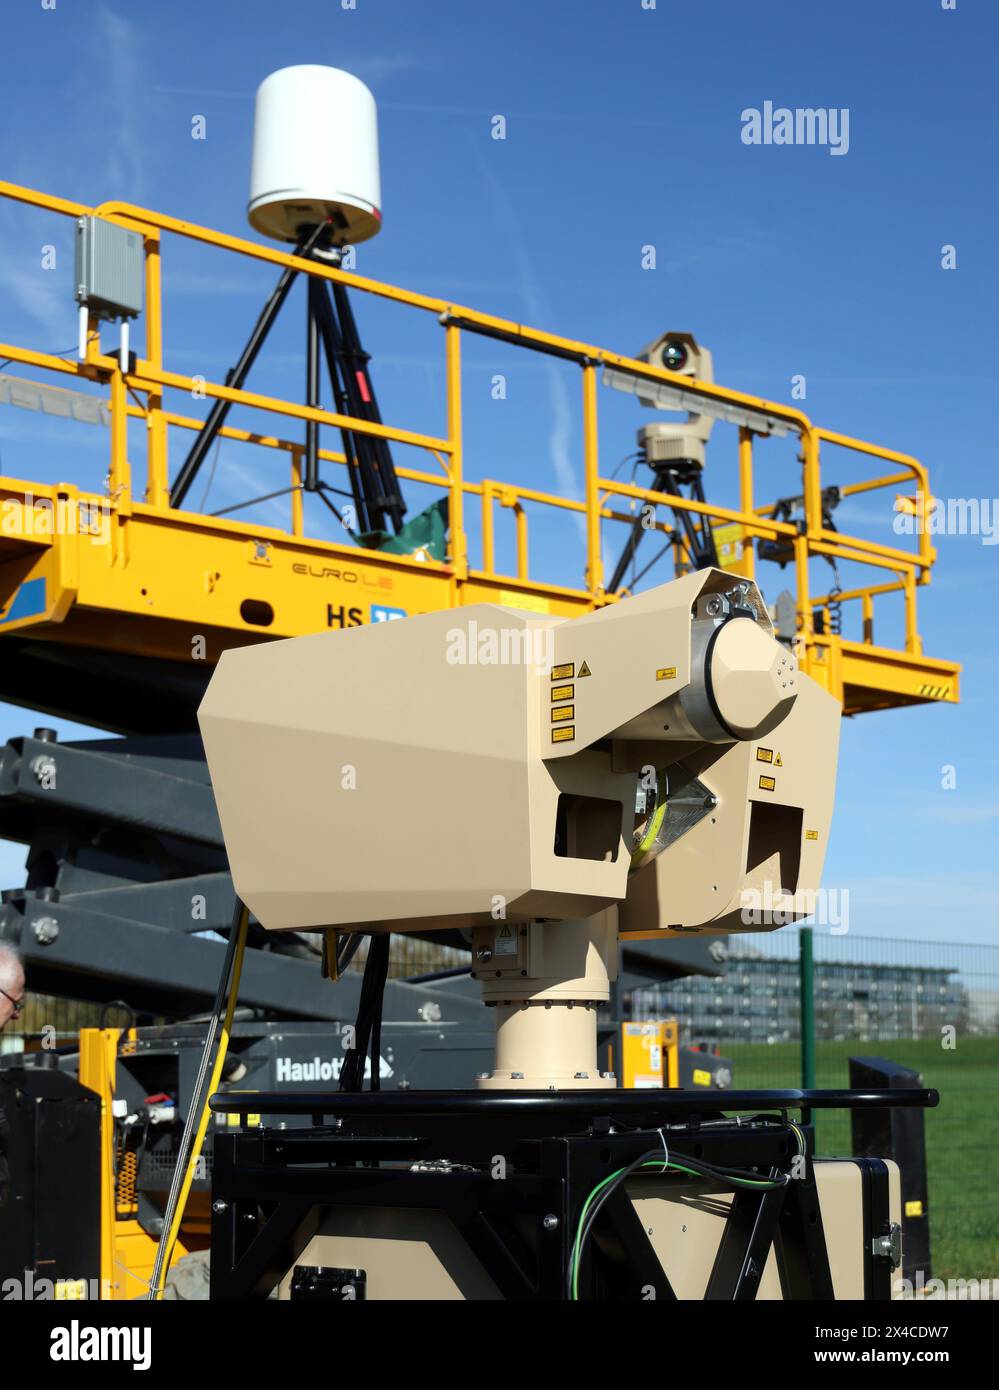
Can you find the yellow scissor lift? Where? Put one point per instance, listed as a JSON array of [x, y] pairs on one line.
[[178, 587], [167, 573]]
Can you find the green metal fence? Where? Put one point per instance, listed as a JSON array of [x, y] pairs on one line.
[[931, 1006]]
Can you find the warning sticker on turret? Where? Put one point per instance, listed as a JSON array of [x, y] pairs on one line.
[[505, 943]]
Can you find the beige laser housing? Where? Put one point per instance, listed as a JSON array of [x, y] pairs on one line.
[[484, 764]]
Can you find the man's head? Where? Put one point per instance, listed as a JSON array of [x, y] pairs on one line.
[[11, 983]]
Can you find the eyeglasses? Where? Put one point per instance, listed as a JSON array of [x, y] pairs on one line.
[[18, 1003]]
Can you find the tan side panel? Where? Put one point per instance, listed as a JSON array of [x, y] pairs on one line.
[[412, 1256], [338, 767], [685, 1227], [373, 776]]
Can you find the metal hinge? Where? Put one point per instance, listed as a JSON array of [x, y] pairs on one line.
[[889, 1246]]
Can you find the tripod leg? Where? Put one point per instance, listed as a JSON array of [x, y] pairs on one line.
[[354, 365], [660, 484], [361, 484], [706, 550], [216, 417], [312, 389]]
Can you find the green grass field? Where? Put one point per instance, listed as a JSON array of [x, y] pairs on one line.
[[962, 1134]]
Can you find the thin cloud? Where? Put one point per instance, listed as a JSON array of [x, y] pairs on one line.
[[374, 69], [560, 433], [118, 56], [42, 296]]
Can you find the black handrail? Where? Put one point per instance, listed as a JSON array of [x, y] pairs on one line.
[[563, 1103]]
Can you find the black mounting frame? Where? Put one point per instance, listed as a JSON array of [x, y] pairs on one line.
[[557, 1146]]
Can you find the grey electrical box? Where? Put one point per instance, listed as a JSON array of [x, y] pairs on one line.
[[109, 269]]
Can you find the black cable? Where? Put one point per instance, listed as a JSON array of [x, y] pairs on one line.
[[102, 1021], [384, 942], [731, 1177], [66, 352], [347, 951], [211, 473], [375, 1083], [635, 454], [253, 501], [368, 1013]]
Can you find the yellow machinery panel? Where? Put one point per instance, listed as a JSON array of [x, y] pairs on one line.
[[650, 1054], [127, 1252]]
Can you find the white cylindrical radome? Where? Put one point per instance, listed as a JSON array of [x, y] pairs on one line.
[[315, 155]]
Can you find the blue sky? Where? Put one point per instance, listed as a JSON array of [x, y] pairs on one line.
[[623, 131]]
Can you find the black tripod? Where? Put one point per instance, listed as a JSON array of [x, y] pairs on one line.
[[374, 486], [694, 527]]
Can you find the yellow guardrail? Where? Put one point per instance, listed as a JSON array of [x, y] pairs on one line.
[[140, 394]]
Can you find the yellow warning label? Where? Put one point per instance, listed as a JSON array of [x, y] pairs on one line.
[[666, 673], [564, 672], [562, 692], [701, 1078], [811, 834], [564, 734], [767, 784], [778, 761], [913, 1208], [764, 755], [584, 670], [562, 713]]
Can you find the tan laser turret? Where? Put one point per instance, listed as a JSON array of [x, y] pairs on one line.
[[659, 766]]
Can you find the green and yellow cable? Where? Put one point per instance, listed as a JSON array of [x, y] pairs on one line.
[[654, 822], [660, 1163]]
